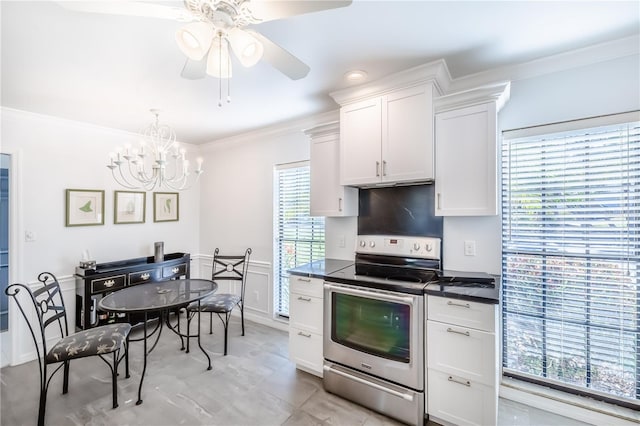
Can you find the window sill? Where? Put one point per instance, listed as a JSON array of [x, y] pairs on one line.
[[564, 404]]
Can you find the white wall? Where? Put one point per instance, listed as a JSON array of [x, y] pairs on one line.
[[236, 195], [601, 88], [57, 154]]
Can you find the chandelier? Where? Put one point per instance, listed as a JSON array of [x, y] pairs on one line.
[[158, 162]]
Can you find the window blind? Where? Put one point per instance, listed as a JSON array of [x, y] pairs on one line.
[[299, 236], [571, 247]]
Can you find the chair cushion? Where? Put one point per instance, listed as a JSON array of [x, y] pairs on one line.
[[216, 303], [94, 341]]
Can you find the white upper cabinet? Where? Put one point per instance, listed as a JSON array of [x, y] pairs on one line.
[[466, 151], [328, 197], [386, 127]]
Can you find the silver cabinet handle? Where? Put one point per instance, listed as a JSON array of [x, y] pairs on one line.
[[404, 396], [438, 201], [304, 299], [384, 167], [377, 168], [109, 283], [465, 305], [339, 204], [464, 333], [465, 383], [306, 280], [300, 333]]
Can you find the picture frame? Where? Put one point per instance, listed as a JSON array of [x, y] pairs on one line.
[[129, 207], [166, 206], [84, 207]]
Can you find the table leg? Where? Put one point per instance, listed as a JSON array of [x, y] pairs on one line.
[[201, 348], [144, 363]]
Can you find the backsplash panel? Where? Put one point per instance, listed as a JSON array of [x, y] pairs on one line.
[[399, 210]]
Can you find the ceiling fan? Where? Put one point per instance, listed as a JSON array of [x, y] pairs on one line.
[[215, 27]]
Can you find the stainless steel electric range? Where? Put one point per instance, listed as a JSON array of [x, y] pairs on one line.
[[374, 323]]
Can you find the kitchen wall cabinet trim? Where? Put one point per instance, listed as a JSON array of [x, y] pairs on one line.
[[328, 197], [306, 322], [466, 151], [435, 72]]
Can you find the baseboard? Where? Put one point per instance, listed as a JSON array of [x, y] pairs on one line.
[[575, 407]]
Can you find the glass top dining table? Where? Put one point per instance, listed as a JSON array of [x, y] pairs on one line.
[[163, 297], [158, 296]]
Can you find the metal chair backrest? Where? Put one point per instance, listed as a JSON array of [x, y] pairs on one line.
[[49, 307], [231, 268]]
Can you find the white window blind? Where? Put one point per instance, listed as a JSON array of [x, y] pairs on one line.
[[571, 247], [299, 237]]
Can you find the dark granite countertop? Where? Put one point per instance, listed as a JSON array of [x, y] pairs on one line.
[[320, 268], [483, 288]]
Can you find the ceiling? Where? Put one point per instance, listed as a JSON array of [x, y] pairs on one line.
[[110, 70]]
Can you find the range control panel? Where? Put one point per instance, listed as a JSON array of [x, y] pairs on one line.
[[419, 247]]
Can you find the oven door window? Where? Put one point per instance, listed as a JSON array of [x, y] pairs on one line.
[[377, 327]]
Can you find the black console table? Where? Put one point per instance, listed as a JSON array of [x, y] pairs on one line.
[[93, 284]]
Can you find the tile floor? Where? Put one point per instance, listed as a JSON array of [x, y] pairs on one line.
[[255, 384]]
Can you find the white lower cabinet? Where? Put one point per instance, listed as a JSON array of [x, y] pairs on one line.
[[462, 361], [305, 323]]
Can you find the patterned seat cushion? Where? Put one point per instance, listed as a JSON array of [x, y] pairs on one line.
[[216, 303], [99, 340]]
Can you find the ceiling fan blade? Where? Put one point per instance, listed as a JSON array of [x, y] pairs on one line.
[[280, 59], [130, 8], [194, 70], [269, 10]]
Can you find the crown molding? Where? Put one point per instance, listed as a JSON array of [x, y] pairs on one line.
[[497, 92], [275, 130], [324, 129], [435, 72], [597, 53]]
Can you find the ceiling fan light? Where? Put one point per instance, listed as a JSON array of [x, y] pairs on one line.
[[246, 47], [218, 61], [194, 39]]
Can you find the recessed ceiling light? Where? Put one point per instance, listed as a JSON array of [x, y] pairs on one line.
[[355, 75]]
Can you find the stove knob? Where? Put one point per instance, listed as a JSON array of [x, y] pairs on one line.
[[362, 243], [428, 247], [416, 246], [372, 244]]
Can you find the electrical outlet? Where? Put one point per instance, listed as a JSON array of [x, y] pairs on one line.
[[29, 236], [469, 247], [341, 242]]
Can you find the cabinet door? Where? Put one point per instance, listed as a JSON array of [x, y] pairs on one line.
[[466, 161], [360, 137], [305, 350], [407, 135], [328, 197]]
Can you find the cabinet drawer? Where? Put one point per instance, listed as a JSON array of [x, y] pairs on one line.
[[174, 271], [460, 401], [305, 285], [305, 349], [108, 284], [305, 312], [142, 277], [462, 351], [476, 315]]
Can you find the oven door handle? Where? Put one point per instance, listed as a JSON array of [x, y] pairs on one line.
[[405, 396], [365, 293]]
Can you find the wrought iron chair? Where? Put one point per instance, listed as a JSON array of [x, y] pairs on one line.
[[49, 308], [225, 268]]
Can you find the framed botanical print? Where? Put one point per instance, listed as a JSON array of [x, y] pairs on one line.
[[129, 207], [166, 206], [84, 207]]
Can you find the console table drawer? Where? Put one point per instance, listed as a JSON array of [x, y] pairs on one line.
[[142, 277], [174, 271], [108, 284]]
